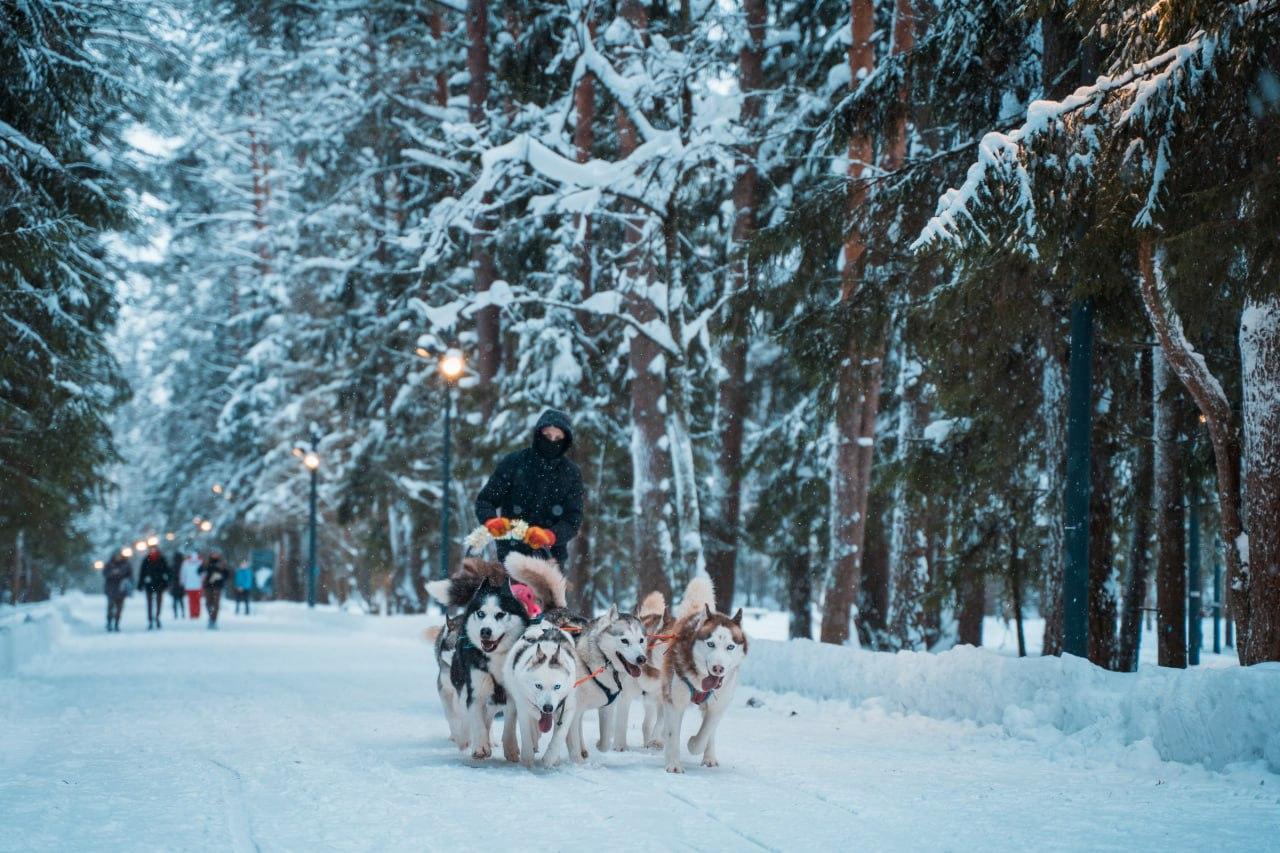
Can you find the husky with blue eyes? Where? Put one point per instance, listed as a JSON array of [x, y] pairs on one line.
[[539, 675]]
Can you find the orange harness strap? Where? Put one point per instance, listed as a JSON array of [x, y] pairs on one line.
[[587, 677], [654, 639]]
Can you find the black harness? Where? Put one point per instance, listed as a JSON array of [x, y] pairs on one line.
[[610, 695], [467, 656]]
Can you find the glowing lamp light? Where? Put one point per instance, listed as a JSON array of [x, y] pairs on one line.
[[422, 352], [140, 545], [126, 551], [217, 488], [169, 537], [206, 525], [297, 451], [311, 460], [153, 540], [98, 565], [452, 365]]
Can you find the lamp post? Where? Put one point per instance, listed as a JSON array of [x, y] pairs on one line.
[[452, 366], [311, 461]]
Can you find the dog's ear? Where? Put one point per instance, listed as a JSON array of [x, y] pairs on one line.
[[737, 617], [613, 612], [707, 610], [540, 658]]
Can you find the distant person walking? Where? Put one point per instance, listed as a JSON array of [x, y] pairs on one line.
[[244, 586], [215, 572], [117, 583], [153, 576], [192, 584], [176, 591]]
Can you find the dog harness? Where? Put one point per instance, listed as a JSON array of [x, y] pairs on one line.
[[698, 697]]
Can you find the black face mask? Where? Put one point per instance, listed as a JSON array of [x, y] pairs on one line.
[[548, 449]]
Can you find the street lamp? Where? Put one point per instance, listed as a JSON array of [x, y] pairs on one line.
[[206, 526], [217, 488], [311, 461], [169, 537], [153, 540], [98, 565], [126, 552], [452, 366], [140, 545]]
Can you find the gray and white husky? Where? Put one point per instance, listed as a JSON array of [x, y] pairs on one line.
[[539, 676], [657, 622], [701, 669], [611, 651]]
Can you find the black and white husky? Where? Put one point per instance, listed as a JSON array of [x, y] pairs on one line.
[[657, 622], [611, 651], [539, 676], [491, 623], [455, 710]]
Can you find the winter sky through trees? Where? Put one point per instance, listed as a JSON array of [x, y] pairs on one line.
[[890, 314]]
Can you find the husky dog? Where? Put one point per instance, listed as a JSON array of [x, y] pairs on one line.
[[539, 675], [657, 622], [611, 651], [701, 668], [454, 708], [491, 623]]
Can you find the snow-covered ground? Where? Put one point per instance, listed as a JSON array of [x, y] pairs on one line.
[[296, 730]]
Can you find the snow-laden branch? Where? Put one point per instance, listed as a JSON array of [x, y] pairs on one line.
[[608, 303], [1005, 153]]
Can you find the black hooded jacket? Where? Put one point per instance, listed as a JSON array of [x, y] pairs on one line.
[[545, 492]]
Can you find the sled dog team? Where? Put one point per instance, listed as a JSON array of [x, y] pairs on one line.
[[516, 647]]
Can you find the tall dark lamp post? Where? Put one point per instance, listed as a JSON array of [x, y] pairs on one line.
[[451, 366], [311, 461]]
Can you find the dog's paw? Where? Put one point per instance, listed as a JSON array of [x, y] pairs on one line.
[[675, 768], [710, 761], [654, 743], [548, 762], [620, 746], [512, 755], [481, 752], [585, 753]]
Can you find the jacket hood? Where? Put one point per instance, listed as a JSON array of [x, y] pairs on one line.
[[556, 418]]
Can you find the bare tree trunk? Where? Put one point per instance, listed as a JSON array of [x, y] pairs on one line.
[[847, 522], [1102, 569], [973, 606], [1215, 408], [488, 329], [1015, 587], [650, 461], [800, 593], [1170, 495], [871, 621], [731, 409], [1260, 378], [1135, 592]]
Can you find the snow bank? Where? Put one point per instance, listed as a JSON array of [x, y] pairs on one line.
[[26, 632], [1212, 717]]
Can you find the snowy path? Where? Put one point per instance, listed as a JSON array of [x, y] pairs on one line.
[[297, 731]]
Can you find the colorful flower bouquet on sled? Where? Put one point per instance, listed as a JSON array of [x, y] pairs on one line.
[[514, 530]]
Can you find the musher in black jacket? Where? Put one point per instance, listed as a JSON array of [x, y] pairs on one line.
[[540, 485]]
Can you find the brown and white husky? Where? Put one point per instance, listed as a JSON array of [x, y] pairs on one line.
[[701, 669]]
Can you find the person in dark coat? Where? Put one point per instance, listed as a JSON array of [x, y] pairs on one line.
[[215, 573], [176, 593], [117, 583], [540, 485], [154, 576]]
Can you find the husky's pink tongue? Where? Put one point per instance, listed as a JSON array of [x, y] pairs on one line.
[[712, 682], [545, 722]]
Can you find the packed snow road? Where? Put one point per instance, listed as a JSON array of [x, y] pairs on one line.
[[290, 730]]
